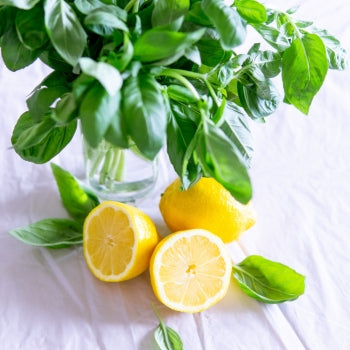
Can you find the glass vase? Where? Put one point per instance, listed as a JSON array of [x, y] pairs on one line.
[[118, 174]]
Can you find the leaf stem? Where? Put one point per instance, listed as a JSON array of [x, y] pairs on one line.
[[173, 74], [194, 75], [163, 328], [130, 5]]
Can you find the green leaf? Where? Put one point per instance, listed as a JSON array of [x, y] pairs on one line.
[[168, 44], [44, 140], [260, 99], [108, 76], [65, 109], [211, 52], [227, 22], [219, 159], [180, 93], [52, 59], [166, 12], [166, 338], [106, 19], [197, 15], [276, 38], [22, 4], [96, 112], [268, 281], [7, 17], [75, 199], [30, 28], [252, 11], [15, 55], [42, 99], [50, 233], [143, 106], [336, 54], [304, 68], [236, 128], [87, 6], [65, 31], [180, 131], [268, 61]]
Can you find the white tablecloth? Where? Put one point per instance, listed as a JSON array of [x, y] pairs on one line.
[[300, 173]]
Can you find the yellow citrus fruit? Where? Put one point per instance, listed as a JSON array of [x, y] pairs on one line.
[[207, 205], [190, 270], [118, 241]]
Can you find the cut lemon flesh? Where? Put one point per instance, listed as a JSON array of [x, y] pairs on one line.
[[190, 270], [118, 241]]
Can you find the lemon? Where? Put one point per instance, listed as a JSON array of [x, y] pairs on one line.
[[190, 270], [118, 241], [207, 205]]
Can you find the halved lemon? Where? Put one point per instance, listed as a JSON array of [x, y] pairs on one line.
[[190, 270], [118, 241]]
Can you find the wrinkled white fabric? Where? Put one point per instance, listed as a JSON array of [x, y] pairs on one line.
[[300, 173]]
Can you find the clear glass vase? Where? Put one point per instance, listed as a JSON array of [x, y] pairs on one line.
[[114, 173]]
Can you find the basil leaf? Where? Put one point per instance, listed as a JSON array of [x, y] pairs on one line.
[[180, 93], [219, 159], [22, 4], [197, 15], [236, 128], [116, 133], [7, 17], [106, 19], [75, 199], [44, 141], [65, 109], [168, 42], [34, 134], [166, 12], [268, 281], [52, 59], [180, 131], [259, 99], [166, 338], [65, 31], [276, 38], [15, 55], [143, 106], [106, 74], [268, 61], [41, 100], [211, 52], [87, 6], [337, 55], [96, 111], [304, 68], [252, 11], [227, 22], [50, 233], [30, 28]]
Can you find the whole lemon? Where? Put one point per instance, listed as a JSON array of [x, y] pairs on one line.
[[206, 205]]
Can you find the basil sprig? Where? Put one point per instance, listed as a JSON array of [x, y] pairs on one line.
[[161, 72], [268, 281], [60, 232], [165, 337]]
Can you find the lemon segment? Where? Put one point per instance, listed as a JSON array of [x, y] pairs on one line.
[[190, 270], [207, 205], [118, 241]]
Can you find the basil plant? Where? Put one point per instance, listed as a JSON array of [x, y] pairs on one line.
[[158, 73]]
